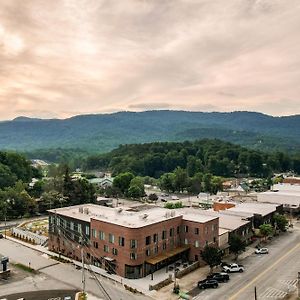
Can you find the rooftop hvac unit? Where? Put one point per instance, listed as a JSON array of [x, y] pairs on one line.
[[173, 213], [86, 210], [81, 210]]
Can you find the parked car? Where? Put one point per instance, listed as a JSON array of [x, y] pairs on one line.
[[1, 236], [164, 195], [220, 277], [233, 268], [262, 251], [208, 283], [174, 198], [163, 200]]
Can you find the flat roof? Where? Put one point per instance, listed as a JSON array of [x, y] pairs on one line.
[[131, 219], [226, 221], [262, 209], [222, 231]]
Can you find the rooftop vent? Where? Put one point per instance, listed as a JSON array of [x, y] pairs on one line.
[[145, 216], [120, 210], [86, 210], [80, 210]]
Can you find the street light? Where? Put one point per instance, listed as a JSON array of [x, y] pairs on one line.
[[5, 213]]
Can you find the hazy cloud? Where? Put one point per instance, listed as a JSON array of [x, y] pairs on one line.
[[64, 57]]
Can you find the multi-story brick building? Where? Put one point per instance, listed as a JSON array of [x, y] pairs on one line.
[[130, 243]]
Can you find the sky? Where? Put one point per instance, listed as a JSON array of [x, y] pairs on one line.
[[68, 57]]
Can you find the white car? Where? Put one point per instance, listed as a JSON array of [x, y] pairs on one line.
[[232, 268], [262, 251]]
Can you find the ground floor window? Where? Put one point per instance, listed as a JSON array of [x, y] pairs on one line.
[[133, 272]]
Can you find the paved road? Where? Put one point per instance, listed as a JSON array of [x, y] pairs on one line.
[[273, 274], [62, 273], [43, 295]]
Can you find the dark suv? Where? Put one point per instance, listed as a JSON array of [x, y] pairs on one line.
[[220, 277], [208, 283]]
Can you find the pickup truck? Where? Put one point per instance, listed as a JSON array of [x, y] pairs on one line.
[[232, 268]]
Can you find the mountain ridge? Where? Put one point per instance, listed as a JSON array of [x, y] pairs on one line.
[[104, 132]]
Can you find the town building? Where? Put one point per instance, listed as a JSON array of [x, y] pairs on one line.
[[289, 199], [130, 243], [262, 213]]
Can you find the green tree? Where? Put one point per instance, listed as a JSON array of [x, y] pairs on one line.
[[153, 197], [122, 181], [181, 179], [7, 178], [212, 256], [167, 182], [236, 245], [266, 230], [280, 222]]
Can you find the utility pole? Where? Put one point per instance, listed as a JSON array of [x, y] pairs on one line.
[[298, 284], [83, 274]]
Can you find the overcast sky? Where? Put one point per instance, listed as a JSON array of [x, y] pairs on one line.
[[66, 57]]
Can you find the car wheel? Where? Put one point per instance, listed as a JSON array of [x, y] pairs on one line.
[[241, 270], [225, 280], [215, 286]]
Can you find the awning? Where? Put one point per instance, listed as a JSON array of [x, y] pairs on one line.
[[164, 256], [109, 258]]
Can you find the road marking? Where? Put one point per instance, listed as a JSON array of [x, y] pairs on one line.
[[264, 272], [273, 293]]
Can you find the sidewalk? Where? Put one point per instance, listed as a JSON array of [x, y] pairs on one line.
[[142, 284]]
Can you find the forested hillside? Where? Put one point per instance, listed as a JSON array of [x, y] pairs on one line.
[[14, 167], [104, 132], [206, 156]]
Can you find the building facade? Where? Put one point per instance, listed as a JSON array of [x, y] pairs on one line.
[[130, 244]]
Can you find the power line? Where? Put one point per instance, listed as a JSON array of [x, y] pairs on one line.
[[62, 229]]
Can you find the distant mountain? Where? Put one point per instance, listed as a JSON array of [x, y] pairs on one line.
[[103, 132]]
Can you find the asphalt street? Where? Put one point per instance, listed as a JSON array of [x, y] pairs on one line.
[[60, 274], [272, 274]]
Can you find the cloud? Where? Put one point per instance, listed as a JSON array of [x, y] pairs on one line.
[[91, 56]]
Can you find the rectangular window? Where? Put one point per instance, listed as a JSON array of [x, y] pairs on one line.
[[79, 228], [186, 228], [96, 245], [133, 244], [106, 248], [148, 240], [171, 232], [197, 231], [155, 238], [102, 235], [148, 252], [87, 230], [164, 246], [186, 241], [206, 230], [115, 251], [71, 225], [155, 250], [133, 256], [215, 239], [121, 241], [94, 233], [111, 238], [178, 229], [197, 244], [164, 234]]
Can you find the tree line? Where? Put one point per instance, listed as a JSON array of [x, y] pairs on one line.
[[19, 198], [203, 156]]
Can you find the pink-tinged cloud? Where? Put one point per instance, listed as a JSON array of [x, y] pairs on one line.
[[66, 57]]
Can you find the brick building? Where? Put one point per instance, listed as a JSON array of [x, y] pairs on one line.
[[131, 244]]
